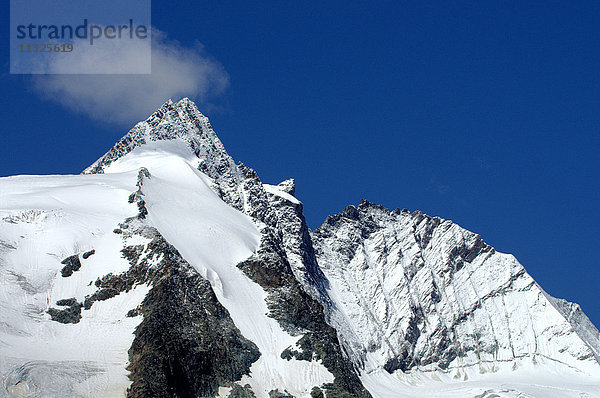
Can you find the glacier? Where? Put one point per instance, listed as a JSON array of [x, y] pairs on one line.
[[167, 269]]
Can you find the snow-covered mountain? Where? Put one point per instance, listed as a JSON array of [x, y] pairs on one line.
[[168, 270], [426, 299]]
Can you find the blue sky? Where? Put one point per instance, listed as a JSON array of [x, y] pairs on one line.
[[485, 113]]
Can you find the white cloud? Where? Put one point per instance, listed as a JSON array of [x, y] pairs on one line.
[[120, 98]]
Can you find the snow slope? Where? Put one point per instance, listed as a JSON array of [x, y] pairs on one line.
[[45, 219]]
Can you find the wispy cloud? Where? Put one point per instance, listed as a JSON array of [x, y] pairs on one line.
[[177, 72]]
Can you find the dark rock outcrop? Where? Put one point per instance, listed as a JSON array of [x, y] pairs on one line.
[[72, 264], [71, 314], [186, 345], [88, 254]]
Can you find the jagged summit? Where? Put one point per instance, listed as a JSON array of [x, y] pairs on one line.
[[288, 186], [181, 120], [181, 130]]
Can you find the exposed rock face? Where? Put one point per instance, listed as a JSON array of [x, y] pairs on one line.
[[70, 314], [300, 314], [187, 345], [72, 264], [418, 292]]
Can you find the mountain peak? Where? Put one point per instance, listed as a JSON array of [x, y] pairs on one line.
[[402, 276], [180, 121], [288, 186]]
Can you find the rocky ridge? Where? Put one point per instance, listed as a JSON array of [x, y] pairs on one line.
[[421, 293]]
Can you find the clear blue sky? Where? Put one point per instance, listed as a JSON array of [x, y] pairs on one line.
[[487, 114]]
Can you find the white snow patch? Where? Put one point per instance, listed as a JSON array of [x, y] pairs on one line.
[[275, 190], [44, 219], [223, 392]]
